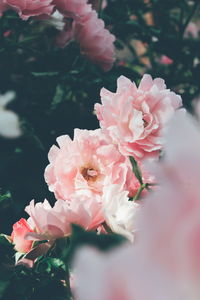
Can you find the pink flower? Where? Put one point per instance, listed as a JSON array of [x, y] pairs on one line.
[[135, 117], [20, 229], [120, 213], [165, 60], [119, 274], [73, 8], [170, 223], [95, 41], [191, 30], [30, 8], [89, 31], [85, 165], [3, 7], [55, 222], [166, 256]]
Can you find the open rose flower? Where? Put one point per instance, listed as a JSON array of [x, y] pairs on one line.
[[134, 117], [120, 213], [86, 164], [95, 41], [55, 222], [20, 230], [73, 8], [30, 8]]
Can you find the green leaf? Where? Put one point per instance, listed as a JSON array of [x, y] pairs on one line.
[[80, 237], [50, 265], [44, 74], [58, 97], [5, 196], [136, 169], [3, 286]]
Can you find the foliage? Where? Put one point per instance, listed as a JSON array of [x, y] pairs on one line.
[[56, 89]]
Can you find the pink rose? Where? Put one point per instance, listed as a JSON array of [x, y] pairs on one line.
[[86, 164], [170, 223], [73, 8], [3, 7], [55, 222], [120, 274], [95, 41], [165, 60], [30, 8], [192, 30], [20, 230], [89, 31], [135, 117]]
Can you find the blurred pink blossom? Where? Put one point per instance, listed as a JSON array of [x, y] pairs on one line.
[[170, 223], [73, 8], [166, 256], [95, 41], [192, 30], [120, 274], [134, 118], [165, 60], [196, 107], [29, 8]]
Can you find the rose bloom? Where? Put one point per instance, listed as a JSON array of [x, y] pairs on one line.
[[20, 230], [135, 117], [170, 223], [30, 8], [166, 256], [55, 222], [96, 42], [73, 8], [86, 164], [120, 213], [119, 274], [165, 60]]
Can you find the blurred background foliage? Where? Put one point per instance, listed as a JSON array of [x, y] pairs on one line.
[[56, 88]]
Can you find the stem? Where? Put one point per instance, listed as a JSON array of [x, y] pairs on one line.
[[137, 195]]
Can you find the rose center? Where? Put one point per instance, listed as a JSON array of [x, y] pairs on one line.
[[145, 123], [89, 174]]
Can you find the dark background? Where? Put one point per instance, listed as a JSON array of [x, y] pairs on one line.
[[56, 88]]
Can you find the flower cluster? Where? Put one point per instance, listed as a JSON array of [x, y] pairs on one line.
[[81, 24], [165, 258], [95, 182]]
